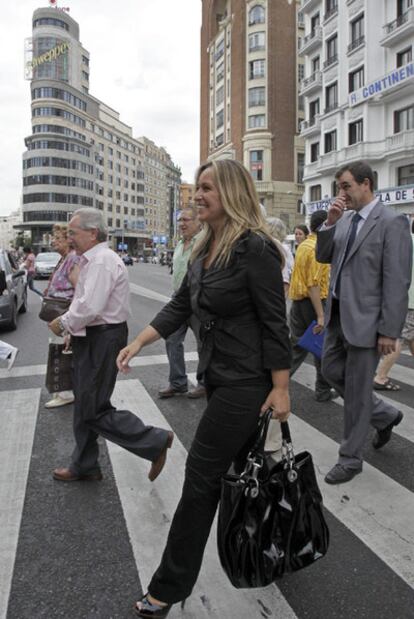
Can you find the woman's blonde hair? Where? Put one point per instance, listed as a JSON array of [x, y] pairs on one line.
[[240, 203], [60, 229]]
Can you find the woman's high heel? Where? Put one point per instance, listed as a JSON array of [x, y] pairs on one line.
[[151, 610]]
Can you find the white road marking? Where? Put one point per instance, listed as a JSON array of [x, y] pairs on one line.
[[141, 361], [305, 376], [18, 418], [148, 510], [148, 293]]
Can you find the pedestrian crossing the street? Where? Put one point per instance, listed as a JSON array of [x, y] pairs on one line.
[[367, 573]]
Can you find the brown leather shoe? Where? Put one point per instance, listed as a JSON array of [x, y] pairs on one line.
[[158, 464], [65, 474], [197, 392], [170, 391]]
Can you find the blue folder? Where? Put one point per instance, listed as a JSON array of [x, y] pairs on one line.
[[312, 342]]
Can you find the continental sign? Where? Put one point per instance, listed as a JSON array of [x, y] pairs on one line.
[[50, 55]]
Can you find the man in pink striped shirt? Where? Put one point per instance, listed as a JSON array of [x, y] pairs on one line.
[[96, 322]]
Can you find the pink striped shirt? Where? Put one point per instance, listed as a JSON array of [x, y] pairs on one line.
[[102, 292]]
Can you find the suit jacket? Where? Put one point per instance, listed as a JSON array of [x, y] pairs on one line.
[[241, 308], [375, 276]]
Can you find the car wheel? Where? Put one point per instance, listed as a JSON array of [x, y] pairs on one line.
[[23, 307], [13, 320]]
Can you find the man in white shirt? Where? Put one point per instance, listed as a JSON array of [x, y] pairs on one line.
[[96, 321]]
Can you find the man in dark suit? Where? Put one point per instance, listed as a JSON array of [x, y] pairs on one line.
[[370, 250]]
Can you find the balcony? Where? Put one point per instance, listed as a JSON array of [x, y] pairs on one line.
[[308, 5], [311, 126], [311, 41], [329, 62], [401, 143], [399, 29], [331, 108], [311, 84], [356, 44]]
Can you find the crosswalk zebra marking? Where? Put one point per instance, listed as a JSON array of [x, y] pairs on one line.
[[40, 370], [148, 518], [17, 427]]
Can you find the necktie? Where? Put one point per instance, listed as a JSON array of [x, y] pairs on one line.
[[351, 238]]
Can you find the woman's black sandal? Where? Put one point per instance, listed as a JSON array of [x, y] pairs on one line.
[[151, 610]]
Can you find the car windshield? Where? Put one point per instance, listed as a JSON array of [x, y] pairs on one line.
[[48, 257]]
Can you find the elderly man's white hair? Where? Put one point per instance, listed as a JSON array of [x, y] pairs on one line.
[[92, 219]]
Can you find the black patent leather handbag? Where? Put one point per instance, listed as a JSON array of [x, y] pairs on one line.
[[270, 520]]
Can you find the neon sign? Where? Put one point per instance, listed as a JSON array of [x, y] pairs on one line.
[[50, 55]]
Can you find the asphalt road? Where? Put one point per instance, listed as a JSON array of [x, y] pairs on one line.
[[85, 550]]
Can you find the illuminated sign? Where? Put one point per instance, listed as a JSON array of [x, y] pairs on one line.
[[50, 55], [384, 84]]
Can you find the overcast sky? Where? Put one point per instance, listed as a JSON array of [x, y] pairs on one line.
[[144, 63]]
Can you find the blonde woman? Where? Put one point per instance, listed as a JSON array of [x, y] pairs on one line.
[[62, 285], [234, 286]]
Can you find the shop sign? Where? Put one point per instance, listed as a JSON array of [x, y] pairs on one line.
[[394, 195], [388, 82]]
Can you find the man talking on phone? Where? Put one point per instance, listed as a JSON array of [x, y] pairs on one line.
[[369, 247]]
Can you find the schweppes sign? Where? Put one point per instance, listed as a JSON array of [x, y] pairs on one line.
[[50, 55]]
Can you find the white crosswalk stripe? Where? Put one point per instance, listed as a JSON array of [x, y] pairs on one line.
[[306, 376], [17, 427], [373, 506]]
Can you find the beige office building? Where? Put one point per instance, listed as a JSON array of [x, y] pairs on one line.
[[249, 91]]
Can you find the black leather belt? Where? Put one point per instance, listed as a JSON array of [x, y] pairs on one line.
[[105, 327]]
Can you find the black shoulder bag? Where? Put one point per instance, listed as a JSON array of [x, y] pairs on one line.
[[270, 520]]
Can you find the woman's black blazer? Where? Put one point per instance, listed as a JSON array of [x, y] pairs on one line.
[[242, 313]]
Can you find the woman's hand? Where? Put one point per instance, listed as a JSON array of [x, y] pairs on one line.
[[126, 354], [279, 401]]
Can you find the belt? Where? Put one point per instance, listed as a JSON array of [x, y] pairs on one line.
[[106, 327]]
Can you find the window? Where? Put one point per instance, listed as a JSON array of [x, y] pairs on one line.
[[257, 15], [300, 167], [313, 110], [220, 139], [50, 21], [405, 56], [314, 152], [357, 32], [404, 119], [331, 7], [403, 6], [315, 193], [315, 64], [220, 95], [331, 94], [256, 41], [219, 119], [315, 21], [406, 175], [356, 79], [256, 69], [330, 141], [256, 96], [356, 131], [331, 51], [85, 76], [58, 93], [219, 50], [256, 164], [301, 72], [257, 121], [220, 72]]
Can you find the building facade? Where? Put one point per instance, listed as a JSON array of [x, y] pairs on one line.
[[249, 86], [187, 192], [8, 233], [80, 153], [359, 96]]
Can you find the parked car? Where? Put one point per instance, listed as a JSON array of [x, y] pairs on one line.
[[127, 259], [45, 263], [13, 291]]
